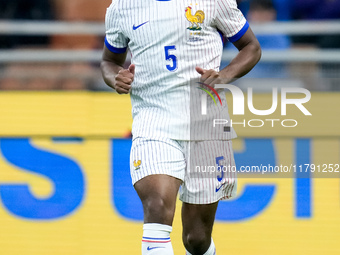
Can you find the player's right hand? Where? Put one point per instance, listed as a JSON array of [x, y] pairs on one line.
[[124, 79]]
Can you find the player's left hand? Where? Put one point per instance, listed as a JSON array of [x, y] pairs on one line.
[[209, 77]]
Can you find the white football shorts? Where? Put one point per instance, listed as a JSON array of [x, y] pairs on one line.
[[207, 168]]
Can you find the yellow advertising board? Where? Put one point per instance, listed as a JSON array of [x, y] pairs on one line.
[[65, 185], [105, 114]]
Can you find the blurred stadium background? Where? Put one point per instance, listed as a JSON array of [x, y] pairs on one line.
[[65, 136]]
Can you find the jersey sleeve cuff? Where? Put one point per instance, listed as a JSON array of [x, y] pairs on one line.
[[114, 49], [238, 36]]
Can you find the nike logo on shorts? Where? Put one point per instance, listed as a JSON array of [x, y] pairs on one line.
[[217, 189]]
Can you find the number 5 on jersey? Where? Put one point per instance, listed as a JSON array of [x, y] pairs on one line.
[[170, 57]]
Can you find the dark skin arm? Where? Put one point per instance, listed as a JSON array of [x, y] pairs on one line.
[[248, 56], [113, 72]]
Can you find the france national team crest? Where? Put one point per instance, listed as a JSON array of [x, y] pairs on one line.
[[137, 164], [196, 20]]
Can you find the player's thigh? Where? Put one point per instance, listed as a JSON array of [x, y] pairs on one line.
[[157, 170]]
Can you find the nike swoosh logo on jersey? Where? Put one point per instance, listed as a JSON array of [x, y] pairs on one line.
[[136, 27], [152, 248]]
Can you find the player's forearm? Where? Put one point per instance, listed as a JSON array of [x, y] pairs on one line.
[[109, 71], [110, 66], [245, 60]]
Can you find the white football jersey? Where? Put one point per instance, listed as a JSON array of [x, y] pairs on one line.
[[167, 40]]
